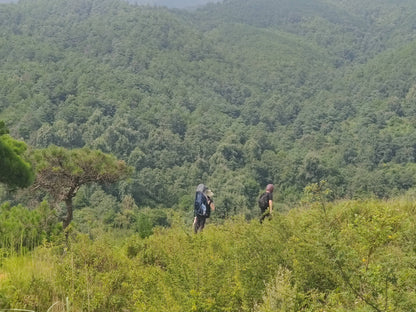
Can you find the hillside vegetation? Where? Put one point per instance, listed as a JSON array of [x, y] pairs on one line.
[[317, 97], [348, 256], [226, 95]]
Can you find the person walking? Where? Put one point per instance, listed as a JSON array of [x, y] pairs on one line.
[[266, 203], [201, 208]]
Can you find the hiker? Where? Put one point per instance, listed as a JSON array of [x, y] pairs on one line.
[[202, 207], [266, 203]]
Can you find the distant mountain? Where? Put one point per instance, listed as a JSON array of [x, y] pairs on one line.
[[179, 4], [236, 94]]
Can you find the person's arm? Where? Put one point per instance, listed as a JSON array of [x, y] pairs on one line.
[[270, 206]]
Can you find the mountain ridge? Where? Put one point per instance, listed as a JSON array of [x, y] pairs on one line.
[[185, 97]]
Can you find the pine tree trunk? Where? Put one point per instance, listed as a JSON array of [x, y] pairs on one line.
[[69, 213]]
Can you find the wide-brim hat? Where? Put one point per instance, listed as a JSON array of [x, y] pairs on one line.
[[209, 193]]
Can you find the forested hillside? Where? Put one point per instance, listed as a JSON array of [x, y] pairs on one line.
[[236, 94], [111, 113]]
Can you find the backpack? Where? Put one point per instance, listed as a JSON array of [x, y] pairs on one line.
[[263, 201], [200, 207], [202, 210]]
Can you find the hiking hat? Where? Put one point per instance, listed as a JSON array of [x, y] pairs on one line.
[[210, 193], [269, 188]]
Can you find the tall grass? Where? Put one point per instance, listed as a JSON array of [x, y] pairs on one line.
[[352, 256], [29, 281]]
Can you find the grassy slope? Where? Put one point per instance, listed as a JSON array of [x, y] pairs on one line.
[[347, 256]]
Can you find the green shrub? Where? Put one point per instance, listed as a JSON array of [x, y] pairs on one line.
[[352, 256]]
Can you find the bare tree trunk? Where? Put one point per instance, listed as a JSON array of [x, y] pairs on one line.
[[69, 212]]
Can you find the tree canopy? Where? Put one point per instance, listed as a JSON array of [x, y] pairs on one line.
[[236, 94], [15, 170], [62, 172]]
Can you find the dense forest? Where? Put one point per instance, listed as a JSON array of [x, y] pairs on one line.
[[111, 113], [230, 95]]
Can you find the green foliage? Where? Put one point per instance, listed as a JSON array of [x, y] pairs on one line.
[[173, 270], [317, 193], [354, 245], [22, 230], [292, 92], [15, 170], [61, 172], [28, 282], [280, 294], [355, 256], [235, 95]]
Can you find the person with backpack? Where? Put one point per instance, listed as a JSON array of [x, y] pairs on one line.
[[203, 205], [266, 203]]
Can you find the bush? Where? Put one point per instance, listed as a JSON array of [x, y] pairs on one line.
[[350, 256]]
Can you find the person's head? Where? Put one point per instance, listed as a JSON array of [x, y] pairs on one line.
[[201, 188], [269, 188]]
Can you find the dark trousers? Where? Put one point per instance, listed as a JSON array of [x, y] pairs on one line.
[[199, 223], [264, 213]]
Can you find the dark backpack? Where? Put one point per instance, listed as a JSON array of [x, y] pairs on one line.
[[200, 208], [263, 201]]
